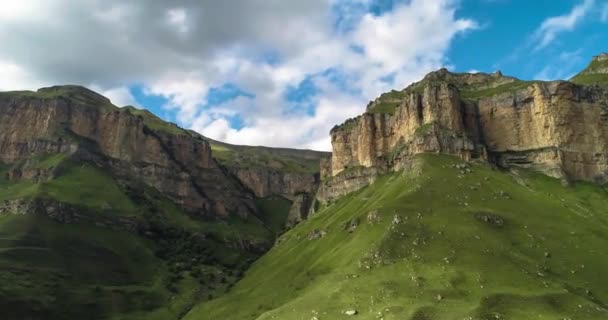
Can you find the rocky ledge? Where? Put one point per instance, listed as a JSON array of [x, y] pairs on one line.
[[557, 127]]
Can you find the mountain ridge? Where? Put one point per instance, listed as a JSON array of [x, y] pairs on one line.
[[551, 126], [475, 196], [78, 173], [464, 196]]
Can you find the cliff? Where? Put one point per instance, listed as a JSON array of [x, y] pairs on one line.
[[271, 171], [556, 127], [135, 145]]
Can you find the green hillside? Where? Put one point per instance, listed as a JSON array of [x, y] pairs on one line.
[[285, 160], [130, 254], [444, 240]]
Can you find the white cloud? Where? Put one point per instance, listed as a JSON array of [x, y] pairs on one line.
[[14, 77], [120, 96], [177, 18], [604, 13], [185, 91], [562, 67], [553, 26], [179, 50], [408, 42]]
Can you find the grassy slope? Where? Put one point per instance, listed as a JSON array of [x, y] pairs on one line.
[[54, 271], [287, 160], [539, 255], [50, 270], [476, 94], [591, 79], [275, 209], [592, 75]]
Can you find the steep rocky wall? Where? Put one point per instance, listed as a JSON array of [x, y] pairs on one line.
[[264, 182], [370, 138], [558, 127], [176, 164]]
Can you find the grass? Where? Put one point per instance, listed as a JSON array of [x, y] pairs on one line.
[[47, 161], [511, 87], [596, 65], [10, 190], [424, 129], [55, 271], [83, 184], [274, 210], [388, 107], [81, 95], [388, 102], [483, 245], [591, 79], [50, 270], [591, 75], [347, 125], [250, 157]]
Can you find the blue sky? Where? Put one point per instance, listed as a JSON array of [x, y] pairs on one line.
[[282, 73]]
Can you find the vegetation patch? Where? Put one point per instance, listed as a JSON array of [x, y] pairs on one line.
[[388, 107], [346, 125], [47, 161], [388, 102], [424, 129], [78, 94], [274, 210], [534, 254], [591, 79], [91, 269], [247, 157], [511, 87]]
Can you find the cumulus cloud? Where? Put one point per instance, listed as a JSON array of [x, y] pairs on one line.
[[179, 50], [553, 26], [120, 96], [604, 13]]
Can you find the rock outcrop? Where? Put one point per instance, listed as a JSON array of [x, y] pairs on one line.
[[300, 209], [264, 182], [72, 123], [271, 171], [557, 127], [80, 123]]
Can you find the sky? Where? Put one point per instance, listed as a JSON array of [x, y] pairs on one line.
[[283, 73]]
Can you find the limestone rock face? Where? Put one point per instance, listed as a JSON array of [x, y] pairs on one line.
[[427, 121], [84, 124], [558, 127], [264, 182], [299, 209]]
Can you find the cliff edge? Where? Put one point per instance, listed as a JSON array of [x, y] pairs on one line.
[[557, 127]]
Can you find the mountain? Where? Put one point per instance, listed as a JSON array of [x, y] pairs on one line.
[[463, 196], [110, 212]]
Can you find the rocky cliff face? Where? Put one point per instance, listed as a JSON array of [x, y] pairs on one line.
[[557, 127], [264, 182], [271, 171], [83, 124]]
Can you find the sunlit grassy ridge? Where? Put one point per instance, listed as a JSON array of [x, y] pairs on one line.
[[594, 74], [437, 242], [251, 157]]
